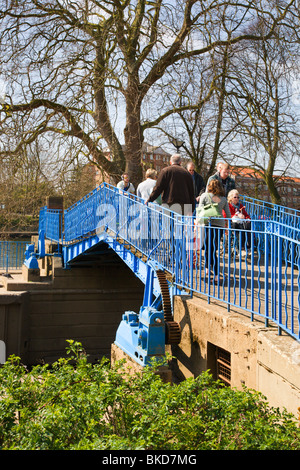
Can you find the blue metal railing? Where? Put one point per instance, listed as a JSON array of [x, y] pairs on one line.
[[268, 211], [50, 222], [12, 254], [264, 281]]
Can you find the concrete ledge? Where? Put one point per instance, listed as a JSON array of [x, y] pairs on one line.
[[278, 370], [30, 274], [18, 283]]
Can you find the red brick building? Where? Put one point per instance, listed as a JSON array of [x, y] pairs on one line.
[[250, 183], [152, 157]]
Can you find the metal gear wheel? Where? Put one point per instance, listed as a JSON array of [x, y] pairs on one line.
[[173, 331]]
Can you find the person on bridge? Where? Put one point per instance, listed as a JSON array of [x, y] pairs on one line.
[[175, 184], [199, 185], [125, 184], [215, 231], [223, 177], [145, 188], [240, 219]]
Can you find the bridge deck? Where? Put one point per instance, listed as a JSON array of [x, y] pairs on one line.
[[265, 284]]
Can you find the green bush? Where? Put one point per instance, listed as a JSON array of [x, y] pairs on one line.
[[78, 405]]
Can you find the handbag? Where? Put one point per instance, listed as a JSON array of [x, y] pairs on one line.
[[197, 244], [204, 213], [235, 218]]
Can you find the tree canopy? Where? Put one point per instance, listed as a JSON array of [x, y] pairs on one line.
[[98, 73]]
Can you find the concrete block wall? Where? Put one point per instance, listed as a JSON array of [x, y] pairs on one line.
[[82, 304], [14, 323]]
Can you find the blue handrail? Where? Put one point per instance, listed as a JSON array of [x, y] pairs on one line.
[[50, 222], [264, 281]]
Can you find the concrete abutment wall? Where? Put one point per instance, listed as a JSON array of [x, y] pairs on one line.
[[85, 304], [260, 359]]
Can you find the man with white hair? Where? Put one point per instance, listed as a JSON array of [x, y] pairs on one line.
[[175, 184], [145, 188]]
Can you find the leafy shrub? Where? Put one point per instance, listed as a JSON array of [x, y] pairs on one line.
[[78, 405]]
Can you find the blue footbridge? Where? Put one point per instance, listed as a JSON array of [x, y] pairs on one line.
[[172, 255]]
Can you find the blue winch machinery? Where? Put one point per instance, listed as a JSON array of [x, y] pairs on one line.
[[143, 336]]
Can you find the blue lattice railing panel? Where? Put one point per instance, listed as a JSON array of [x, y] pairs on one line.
[[12, 254]]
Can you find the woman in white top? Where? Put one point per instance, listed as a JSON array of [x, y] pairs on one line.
[[145, 188]]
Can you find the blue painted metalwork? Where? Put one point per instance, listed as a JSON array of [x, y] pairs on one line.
[[32, 262], [50, 223], [142, 336], [264, 281], [12, 254]]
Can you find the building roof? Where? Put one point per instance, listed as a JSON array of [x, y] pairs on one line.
[[155, 149], [252, 173]]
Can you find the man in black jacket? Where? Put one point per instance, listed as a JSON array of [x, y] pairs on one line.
[[175, 184], [199, 185]]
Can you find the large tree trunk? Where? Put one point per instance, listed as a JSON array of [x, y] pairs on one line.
[[275, 197], [273, 142], [102, 117], [221, 99], [133, 134]]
